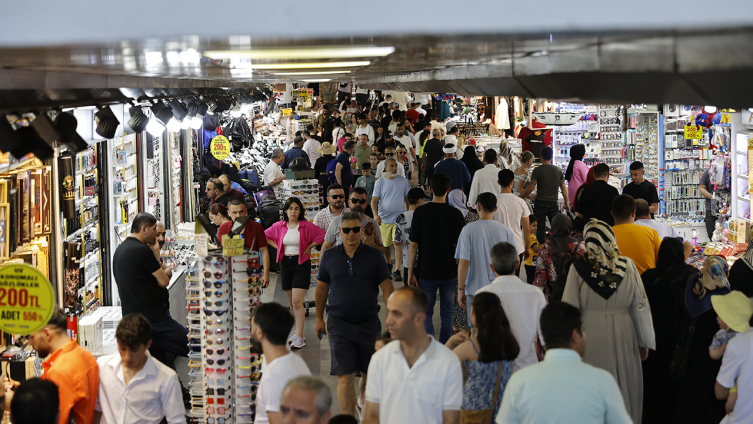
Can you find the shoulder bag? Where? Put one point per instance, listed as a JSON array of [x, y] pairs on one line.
[[482, 416]]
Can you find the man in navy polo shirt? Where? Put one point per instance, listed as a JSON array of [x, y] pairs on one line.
[[350, 275]]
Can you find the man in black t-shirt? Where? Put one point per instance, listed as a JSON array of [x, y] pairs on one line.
[[596, 199], [640, 188], [704, 187], [432, 153], [388, 141], [435, 230], [142, 285]]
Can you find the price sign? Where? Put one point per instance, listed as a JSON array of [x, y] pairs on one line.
[[300, 92], [287, 112], [26, 299], [202, 245], [220, 147], [693, 132], [232, 246]]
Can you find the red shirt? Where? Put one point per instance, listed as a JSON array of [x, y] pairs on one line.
[[253, 233], [413, 115], [76, 373]]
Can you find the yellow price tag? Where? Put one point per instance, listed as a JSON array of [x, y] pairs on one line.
[[287, 112], [26, 299], [220, 147], [693, 132], [232, 246]]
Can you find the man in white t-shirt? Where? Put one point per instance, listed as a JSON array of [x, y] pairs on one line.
[[273, 173], [414, 379], [310, 146], [270, 327], [402, 138], [513, 212], [365, 128]]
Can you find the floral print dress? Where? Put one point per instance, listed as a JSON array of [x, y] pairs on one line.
[[478, 393], [547, 269]]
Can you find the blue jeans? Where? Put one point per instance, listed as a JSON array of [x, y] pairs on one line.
[[446, 302]]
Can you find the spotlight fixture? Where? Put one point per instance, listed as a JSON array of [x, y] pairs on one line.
[[236, 111], [179, 109], [162, 116], [202, 109], [107, 123], [9, 140], [32, 143], [192, 119], [139, 120], [67, 124]]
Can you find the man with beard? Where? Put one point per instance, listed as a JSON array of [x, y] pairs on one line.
[[270, 327], [72, 368], [371, 235], [142, 286], [387, 202], [350, 276], [336, 199]]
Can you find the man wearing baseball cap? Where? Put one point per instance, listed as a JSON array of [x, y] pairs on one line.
[[455, 169]]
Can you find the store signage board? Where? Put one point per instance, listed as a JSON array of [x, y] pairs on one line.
[[693, 132], [26, 299], [220, 147], [287, 112], [232, 246], [202, 244]]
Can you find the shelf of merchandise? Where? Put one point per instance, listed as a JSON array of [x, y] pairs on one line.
[[172, 166], [741, 139], [123, 201]]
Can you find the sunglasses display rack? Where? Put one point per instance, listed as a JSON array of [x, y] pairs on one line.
[[307, 191], [225, 371]]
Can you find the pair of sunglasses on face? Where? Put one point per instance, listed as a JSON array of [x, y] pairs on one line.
[[338, 196], [347, 230], [354, 200]]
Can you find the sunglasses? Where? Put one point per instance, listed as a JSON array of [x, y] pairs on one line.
[[218, 263], [302, 192], [216, 382], [253, 369], [213, 351], [252, 291], [338, 196], [218, 392], [305, 186], [215, 322], [220, 420], [209, 284], [219, 371], [354, 200], [217, 275], [218, 293], [213, 401], [347, 230], [218, 313], [215, 331], [209, 304], [218, 361], [219, 410], [389, 154]]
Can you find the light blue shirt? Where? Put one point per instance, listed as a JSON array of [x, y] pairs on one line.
[[475, 242], [573, 393], [391, 194]]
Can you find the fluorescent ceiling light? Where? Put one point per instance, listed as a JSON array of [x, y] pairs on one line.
[[331, 52], [318, 80], [311, 65], [311, 73]]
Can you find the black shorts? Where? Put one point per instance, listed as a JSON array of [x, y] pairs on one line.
[[351, 345], [294, 276]]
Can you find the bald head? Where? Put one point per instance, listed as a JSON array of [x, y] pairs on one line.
[[642, 210]]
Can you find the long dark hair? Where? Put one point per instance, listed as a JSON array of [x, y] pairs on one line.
[[219, 209], [495, 339], [576, 153], [288, 204]]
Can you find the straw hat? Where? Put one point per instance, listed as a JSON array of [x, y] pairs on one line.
[[735, 309], [326, 149]]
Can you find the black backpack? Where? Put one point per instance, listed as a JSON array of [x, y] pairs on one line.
[[269, 211], [238, 133]]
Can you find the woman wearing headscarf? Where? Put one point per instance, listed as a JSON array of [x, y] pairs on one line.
[[696, 372], [659, 391], [607, 289], [741, 273], [551, 272], [472, 162], [457, 200], [507, 160], [577, 171], [580, 220]]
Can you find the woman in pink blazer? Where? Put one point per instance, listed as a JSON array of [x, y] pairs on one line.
[[294, 237]]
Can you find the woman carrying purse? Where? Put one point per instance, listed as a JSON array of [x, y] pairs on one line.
[[489, 355]]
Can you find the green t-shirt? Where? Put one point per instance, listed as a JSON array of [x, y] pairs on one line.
[[548, 179], [362, 156]]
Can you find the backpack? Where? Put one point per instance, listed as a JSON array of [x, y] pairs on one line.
[[269, 211], [331, 167]]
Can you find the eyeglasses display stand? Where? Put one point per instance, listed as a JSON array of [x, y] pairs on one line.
[[228, 373]]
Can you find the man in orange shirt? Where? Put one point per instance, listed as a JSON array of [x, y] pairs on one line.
[[70, 366], [639, 243]]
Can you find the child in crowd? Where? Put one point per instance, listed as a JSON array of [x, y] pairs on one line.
[[367, 181], [535, 247], [374, 161], [733, 314]]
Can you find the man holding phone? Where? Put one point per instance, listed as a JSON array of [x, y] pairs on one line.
[[350, 276]]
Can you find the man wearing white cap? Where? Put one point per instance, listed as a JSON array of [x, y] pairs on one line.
[[450, 166]]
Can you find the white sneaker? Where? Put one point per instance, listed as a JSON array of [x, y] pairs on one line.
[[297, 342]]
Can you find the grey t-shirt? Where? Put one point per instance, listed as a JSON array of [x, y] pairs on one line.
[[706, 181], [333, 231], [548, 179]]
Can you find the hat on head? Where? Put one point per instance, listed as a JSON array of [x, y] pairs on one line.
[[449, 148], [416, 193], [735, 309], [326, 148]]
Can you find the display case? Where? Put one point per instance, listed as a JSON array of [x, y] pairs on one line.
[[742, 142]]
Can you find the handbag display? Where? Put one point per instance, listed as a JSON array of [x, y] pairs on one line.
[[482, 416]]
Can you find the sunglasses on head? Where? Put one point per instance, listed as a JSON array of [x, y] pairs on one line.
[[347, 230], [361, 201], [337, 196]]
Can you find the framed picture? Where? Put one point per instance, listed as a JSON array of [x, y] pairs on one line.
[[24, 207], [4, 238]]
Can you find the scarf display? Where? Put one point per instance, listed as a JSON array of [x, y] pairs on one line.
[[602, 267], [457, 200], [577, 152], [561, 240]]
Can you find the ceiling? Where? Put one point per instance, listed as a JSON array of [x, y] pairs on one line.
[[697, 67]]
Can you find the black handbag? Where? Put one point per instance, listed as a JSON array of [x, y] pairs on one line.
[[679, 365]]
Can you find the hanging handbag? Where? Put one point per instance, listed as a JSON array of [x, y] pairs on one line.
[[482, 416]]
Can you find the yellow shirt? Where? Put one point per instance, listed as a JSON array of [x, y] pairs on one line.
[[534, 242], [639, 243]]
